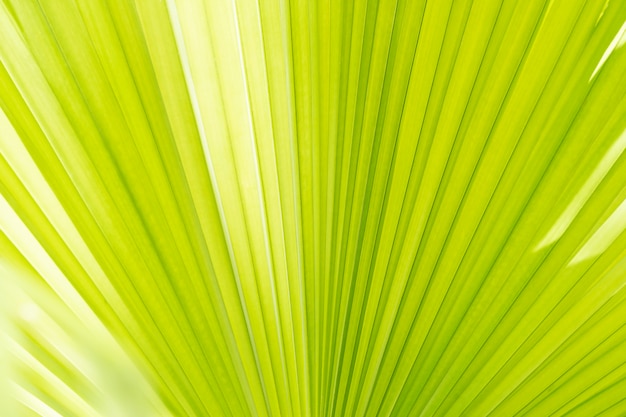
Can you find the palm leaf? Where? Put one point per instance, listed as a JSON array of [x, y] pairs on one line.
[[313, 208]]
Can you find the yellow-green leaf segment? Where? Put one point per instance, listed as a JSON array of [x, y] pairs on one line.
[[312, 208]]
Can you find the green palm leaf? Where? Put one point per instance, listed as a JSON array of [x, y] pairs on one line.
[[302, 208]]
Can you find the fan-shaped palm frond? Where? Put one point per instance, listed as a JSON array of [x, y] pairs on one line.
[[313, 208]]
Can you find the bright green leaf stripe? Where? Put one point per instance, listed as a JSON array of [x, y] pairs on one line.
[[160, 301], [516, 176], [317, 208]]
